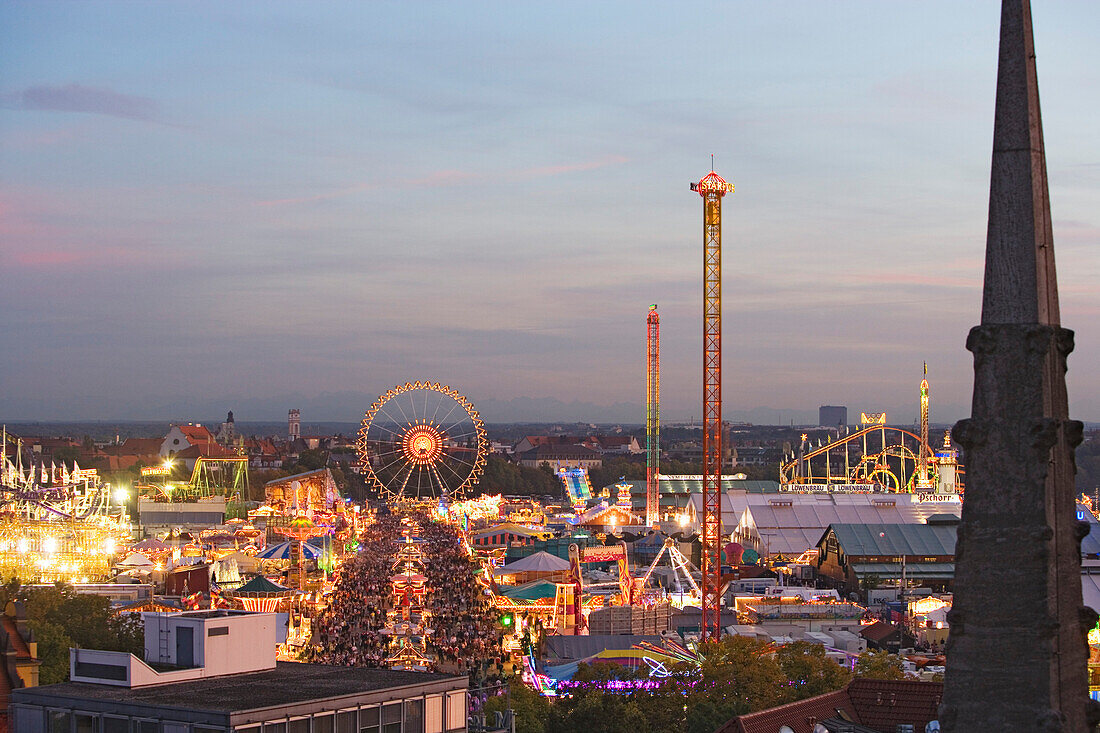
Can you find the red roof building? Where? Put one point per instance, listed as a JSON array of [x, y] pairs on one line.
[[19, 652], [872, 705], [181, 437]]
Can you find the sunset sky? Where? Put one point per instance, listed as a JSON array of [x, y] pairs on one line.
[[268, 205]]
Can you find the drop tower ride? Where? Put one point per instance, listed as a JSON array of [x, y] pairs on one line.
[[712, 188], [653, 417]]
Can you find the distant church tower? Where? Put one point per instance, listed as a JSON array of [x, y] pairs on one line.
[[294, 425], [228, 432], [1017, 654]]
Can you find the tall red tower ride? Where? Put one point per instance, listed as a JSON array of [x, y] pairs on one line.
[[653, 417], [712, 188]]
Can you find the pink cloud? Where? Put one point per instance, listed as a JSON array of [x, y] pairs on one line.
[[79, 98], [1069, 230], [442, 178], [557, 170], [453, 177], [47, 259], [338, 193], [913, 278], [31, 238]]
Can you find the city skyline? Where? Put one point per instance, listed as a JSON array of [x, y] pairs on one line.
[[303, 205]]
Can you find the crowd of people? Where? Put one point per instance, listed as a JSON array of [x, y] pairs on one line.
[[350, 631], [466, 630], [356, 628]]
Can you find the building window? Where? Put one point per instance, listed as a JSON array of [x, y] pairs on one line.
[[323, 723], [414, 716], [298, 725], [456, 710], [101, 671], [433, 714], [345, 722], [27, 719], [369, 720], [115, 725], [146, 726], [218, 631], [391, 718], [279, 727], [85, 723], [61, 721]]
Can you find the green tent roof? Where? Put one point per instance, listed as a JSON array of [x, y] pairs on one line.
[[260, 584], [532, 591], [895, 539]]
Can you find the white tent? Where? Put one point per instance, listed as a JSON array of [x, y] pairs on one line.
[[136, 560], [245, 563]]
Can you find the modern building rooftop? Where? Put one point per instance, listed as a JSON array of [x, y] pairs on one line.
[[288, 683]]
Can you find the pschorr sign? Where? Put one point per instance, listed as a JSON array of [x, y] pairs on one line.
[[938, 498]]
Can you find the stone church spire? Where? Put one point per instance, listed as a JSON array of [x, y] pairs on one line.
[[1017, 654]]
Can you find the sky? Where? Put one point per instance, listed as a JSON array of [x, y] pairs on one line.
[[255, 206]]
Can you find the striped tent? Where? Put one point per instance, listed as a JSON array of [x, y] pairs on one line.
[[286, 551]]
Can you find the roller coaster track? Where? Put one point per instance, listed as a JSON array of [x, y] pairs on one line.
[[867, 466]]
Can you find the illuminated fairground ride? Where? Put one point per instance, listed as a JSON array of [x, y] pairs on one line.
[[56, 524], [222, 476], [422, 441], [875, 457]]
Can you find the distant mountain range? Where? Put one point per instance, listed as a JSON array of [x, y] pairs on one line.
[[348, 407]]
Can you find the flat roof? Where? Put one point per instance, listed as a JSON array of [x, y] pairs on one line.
[[288, 683]]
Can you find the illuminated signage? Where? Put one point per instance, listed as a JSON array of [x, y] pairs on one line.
[[155, 471], [873, 488], [872, 418], [604, 553], [85, 474]]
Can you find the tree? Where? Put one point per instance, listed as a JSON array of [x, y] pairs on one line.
[[870, 581], [531, 709], [309, 460], [257, 482], [504, 477], [880, 665], [809, 671], [739, 675], [62, 618], [606, 713], [67, 455]]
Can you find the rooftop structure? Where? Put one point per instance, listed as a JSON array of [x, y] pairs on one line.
[[215, 671]]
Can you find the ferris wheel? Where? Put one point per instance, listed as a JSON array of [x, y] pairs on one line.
[[422, 441]]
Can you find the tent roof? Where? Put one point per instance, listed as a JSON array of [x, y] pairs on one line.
[[539, 562], [152, 544], [533, 591], [285, 550], [260, 584], [135, 560], [895, 539]]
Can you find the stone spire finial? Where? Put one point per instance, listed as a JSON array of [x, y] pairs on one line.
[[1017, 654], [1020, 285]]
